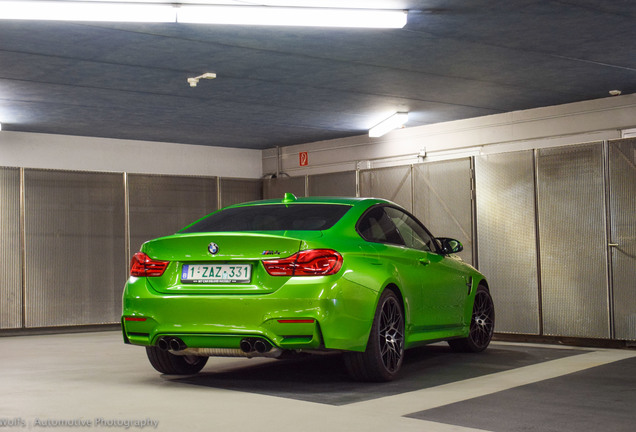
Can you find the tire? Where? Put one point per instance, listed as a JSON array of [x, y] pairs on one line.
[[385, 349], [482, 325], [171, 364]]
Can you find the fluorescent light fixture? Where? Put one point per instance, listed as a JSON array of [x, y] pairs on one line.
[[201, 14], [86, 11], [628, 133], [396, 121], [296, 16], [193, 81]]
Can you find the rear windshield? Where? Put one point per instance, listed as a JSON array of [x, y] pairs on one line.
[[272, 217]]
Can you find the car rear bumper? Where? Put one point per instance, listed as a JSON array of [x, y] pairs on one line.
[[305, 313]]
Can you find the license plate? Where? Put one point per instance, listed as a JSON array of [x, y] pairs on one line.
[[216, 273]]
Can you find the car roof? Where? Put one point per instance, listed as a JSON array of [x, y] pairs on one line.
[[291, 199]]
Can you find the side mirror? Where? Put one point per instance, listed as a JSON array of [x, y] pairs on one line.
[[450, 246]]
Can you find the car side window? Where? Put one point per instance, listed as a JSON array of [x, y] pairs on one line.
[[411, 231], [376, 226]]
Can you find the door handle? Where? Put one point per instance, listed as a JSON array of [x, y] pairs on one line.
[[612, 244], [424, 261]]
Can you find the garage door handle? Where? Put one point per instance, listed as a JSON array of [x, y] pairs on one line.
[[425, 261]]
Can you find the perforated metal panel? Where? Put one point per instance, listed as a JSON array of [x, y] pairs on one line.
[[10, 256], [277, 187], [333, 184], [162, 205], [235, 191], [392, 183], [573, 242], [75, 249], [622, 168], [442, 200], [506, 238]]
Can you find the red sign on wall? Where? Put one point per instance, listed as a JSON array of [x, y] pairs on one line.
[[303, 158]]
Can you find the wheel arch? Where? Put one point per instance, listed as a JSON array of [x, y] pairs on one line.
[[405, 306], [483, 282], [396, 290], [383, 355]]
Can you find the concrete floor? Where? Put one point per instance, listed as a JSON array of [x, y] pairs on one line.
[[95, 379]]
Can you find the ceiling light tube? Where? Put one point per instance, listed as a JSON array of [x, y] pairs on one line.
[[87, 11], [291, 16], [396, 121], [201, 14]]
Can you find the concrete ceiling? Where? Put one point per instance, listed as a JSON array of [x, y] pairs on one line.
[[455, 59]]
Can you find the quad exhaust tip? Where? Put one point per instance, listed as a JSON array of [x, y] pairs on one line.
[[249, 345], [171, 344], [262, 346], [246, 346], [163, 344], [177, 344]]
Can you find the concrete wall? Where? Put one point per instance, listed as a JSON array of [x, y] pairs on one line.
[[537, 128], [32, 150], [520, 130]]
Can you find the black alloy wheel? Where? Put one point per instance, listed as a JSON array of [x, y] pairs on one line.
[[482, 324], [383, 357]]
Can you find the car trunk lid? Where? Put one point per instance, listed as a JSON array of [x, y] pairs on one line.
[[223, 263]]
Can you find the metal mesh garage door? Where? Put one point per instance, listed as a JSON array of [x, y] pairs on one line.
[[161, 205], [235, 191], [10, 256], [622, 164], [277, 187], [442, 200], [506, 238], [571, 203], [75, 249], [393, 184], [333, 184]]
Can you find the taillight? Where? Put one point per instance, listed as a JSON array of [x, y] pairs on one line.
[[315, 262], [142, 265]]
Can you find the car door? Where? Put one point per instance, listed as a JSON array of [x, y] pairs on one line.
[[397, 262], [443, 283]]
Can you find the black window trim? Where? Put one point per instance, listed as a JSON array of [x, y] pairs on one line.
[[438, 248]]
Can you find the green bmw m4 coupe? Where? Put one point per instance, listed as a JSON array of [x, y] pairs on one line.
[[276, 277]]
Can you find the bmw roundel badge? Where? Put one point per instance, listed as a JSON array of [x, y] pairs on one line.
[[213, 248]]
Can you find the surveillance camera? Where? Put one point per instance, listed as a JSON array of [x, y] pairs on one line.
[[193, 82]]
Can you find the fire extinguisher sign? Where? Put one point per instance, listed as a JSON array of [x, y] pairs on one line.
[[303, 158]]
